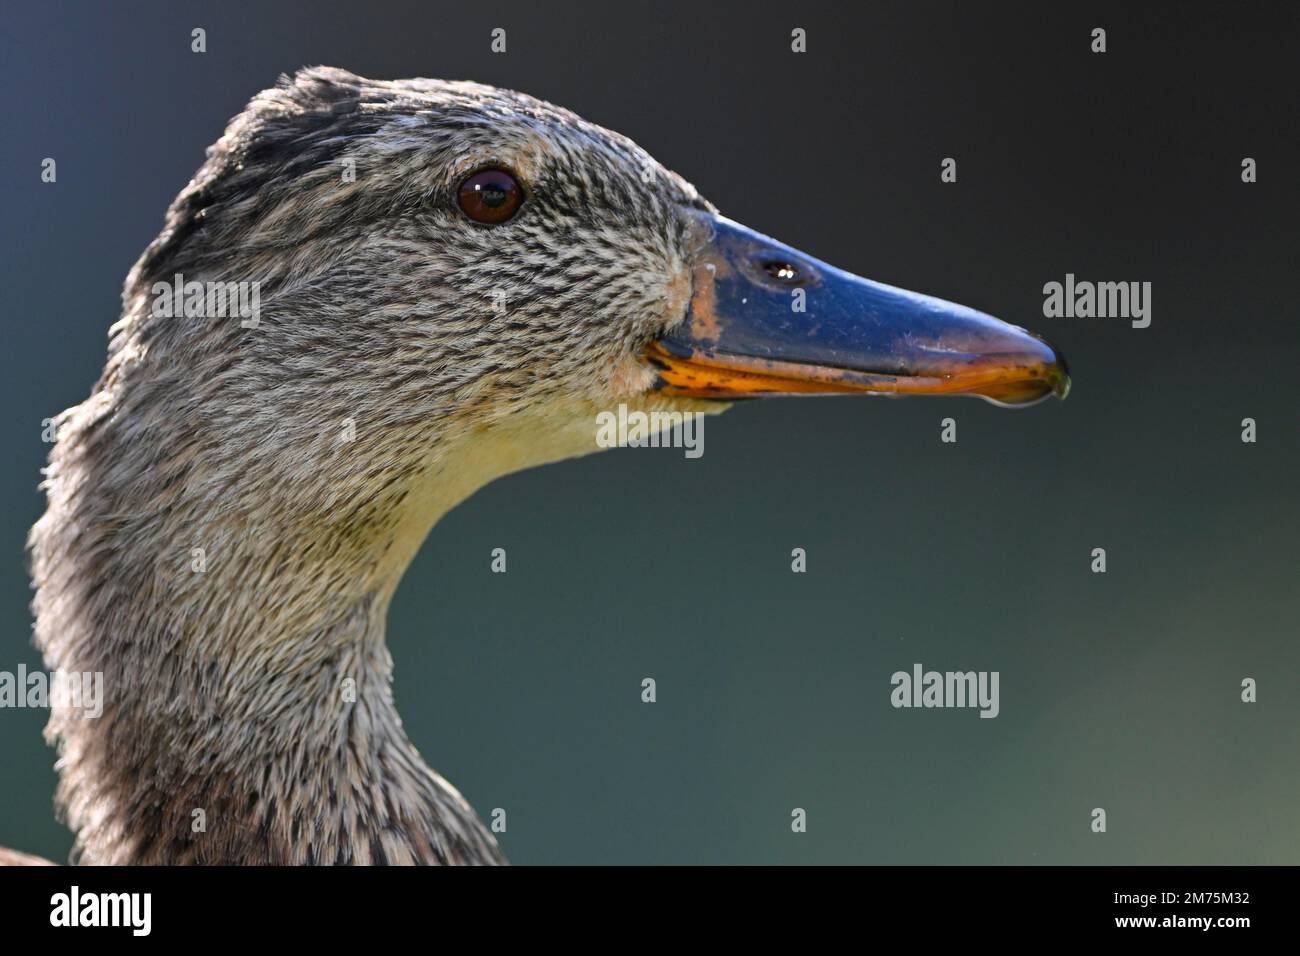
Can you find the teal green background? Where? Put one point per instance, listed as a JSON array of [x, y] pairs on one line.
[[1118, 690]]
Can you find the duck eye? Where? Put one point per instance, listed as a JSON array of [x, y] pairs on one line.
[[490, 196]]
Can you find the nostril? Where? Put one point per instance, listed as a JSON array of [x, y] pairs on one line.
[[785, 272]]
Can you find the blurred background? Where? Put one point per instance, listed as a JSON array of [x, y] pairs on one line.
[[1118, 690]]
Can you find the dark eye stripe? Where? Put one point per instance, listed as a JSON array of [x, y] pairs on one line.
[[490, 196]]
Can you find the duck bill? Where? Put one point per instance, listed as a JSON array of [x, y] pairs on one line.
[[766, 320]]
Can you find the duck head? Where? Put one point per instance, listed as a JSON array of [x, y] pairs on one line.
[[452, 253]]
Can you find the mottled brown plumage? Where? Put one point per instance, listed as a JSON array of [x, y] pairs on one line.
[[456, 353]]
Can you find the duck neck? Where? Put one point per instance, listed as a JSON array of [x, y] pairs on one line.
[[248, 714], [233, 595]]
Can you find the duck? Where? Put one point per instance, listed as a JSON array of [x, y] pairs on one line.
[[451, 283]]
